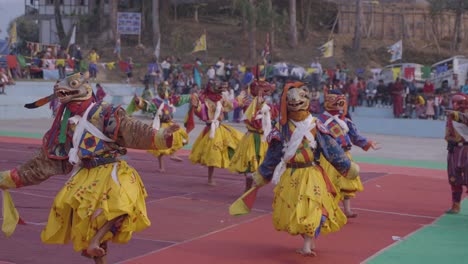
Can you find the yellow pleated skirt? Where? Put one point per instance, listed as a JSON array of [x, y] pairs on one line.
[[347, 187], [246, 159], [90, 199], [217, 151], [180, 139], [301, 199]]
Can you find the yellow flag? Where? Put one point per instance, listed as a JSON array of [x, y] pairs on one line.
[[200, 45], [10, 215], [327, 49], [396, 72], [13, 35]]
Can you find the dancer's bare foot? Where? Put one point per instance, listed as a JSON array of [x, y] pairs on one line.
[[306, 252], [162, 170], [211, 183], [175, 158], [94, 250], [351, 214]]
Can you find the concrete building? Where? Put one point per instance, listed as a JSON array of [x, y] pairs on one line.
[[43, 12]]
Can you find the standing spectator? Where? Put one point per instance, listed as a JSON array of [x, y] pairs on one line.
[[60, 62], [430, 107], [228, 70], [464, 88], [100, 93], [437, 105], [428, 88], [353, 95], [129, 70], [220, 72], [397, 93], [248, 77], [361, 86], [315, 101], [379, 96], [93, 58], [77, 57], [166, 68], [371, 91], [211, 73], [344, 72], [197, 72]]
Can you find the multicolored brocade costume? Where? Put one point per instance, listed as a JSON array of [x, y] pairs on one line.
[[456, 135], [163, 110], [216, 144], [346, 135], [305, 199], [257, 118], [85, 141]]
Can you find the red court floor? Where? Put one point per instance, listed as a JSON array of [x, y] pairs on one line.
[[191, 223]]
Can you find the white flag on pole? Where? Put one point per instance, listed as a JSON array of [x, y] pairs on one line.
[[157, 50], [73, 37], [396, 50]]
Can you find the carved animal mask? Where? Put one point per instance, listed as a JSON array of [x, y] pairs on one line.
[[460, 102], [73, 88], [298, 99], [261, 87], [334, 102], [164, 90]]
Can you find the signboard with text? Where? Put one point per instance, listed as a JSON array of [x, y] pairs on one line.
[[128, 23]]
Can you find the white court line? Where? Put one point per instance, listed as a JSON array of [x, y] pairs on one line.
[[394, 213], [32, 194], [190, 240], [31, 223], [154, 240], [376, 254]]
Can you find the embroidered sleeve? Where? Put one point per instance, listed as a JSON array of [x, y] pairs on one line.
[[355, 137], [272, 157], [181, 99], [461, 118], [39, 169], [133, 133], [332, 152]]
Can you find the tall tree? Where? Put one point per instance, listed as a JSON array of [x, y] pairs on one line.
[[101, 15], [357, 28], [271, 12], [155, 17], [292, 24], [306, 22], [457, 32], [58, 23], [252, 20], [114, 4]]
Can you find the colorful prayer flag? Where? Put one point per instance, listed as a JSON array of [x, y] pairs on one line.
[[13, 36], [200, 44]]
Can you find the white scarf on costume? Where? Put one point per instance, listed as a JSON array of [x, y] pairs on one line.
[[461, 129], [338, 120], [82, 125], [215, 121], [265, 115], [303, 129], [157, 116]]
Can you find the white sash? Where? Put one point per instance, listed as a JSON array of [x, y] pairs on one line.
[[215, 121], [265, 115], [303, 129], [461, 129], [83, 124], [338, 120]]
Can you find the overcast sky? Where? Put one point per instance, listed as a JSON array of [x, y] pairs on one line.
[[9, 10]]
